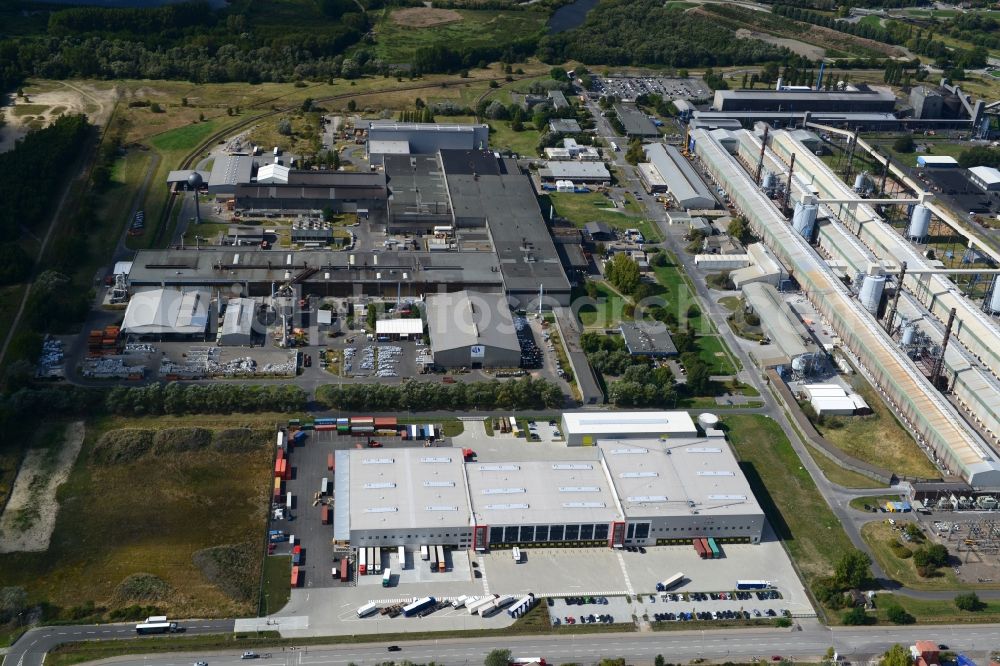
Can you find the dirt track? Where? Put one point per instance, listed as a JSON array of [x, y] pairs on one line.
[[46, 105], [30, 517]]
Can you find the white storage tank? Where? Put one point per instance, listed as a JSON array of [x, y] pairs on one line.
[[768, 181], [920, 223], [993, 304], [909, 334], [708, 421], [860, 183], [871, 292], [804, 218]]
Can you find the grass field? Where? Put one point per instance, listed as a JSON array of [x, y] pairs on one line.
[[878, 439], [788, 495], [837, 474], [275, 590], [595, 207], [398, 40], [878, 534], [941, 611], [680, 295], [110, 527], [524, 143], [712, 350], [608, 311]]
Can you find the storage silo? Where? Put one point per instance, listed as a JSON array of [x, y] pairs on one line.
[[860, 183], [804, 219], [708, 421], [993, 303], [871, 292], [909, 334], [768, 181], [920, 223]]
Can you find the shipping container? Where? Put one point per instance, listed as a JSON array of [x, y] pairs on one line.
[[325, 420], [281, 454], [704, 545], [329, 461], [324, 486], [385, 422], [362, 561], [325, 516], [277, 489], [402, 557], [343, 570], [420, 604], [299, 437], [281, 439], [423, 553], [295, 576], [362, 420], [367, 609], [716, 553], [387, 577], [442, 563], [288, 501], [294, 422], [700, 548]]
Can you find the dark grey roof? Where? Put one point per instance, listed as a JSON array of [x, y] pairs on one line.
[[280, 191], [648, 339], [339, 179], [565, 125], [416, 185], [597, 229], [465, 318], [590, 390], [635, 122]]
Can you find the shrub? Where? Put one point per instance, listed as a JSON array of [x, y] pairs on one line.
[[233, 568], [176, 440], [142, 587], [897, 615], [855, 617], [240, 440], [969, 602], [122, 446]]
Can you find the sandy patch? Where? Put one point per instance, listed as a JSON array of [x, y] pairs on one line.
[[46, 105], [424, 17], [30, 517], [795, 46]]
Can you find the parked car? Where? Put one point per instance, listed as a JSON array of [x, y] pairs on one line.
[[250, 654]]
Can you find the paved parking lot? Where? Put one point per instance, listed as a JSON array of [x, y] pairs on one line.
[[628, 88]]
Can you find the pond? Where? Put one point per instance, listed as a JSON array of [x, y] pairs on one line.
[[571, 16]]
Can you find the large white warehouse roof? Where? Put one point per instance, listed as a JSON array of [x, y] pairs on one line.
[[678, 424]]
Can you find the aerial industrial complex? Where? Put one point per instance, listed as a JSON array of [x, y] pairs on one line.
[[644, 479]]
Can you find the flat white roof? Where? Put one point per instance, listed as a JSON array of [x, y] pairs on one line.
[[413, 326], [988, 175], [630, 423], [165, 311], [690, 476], [833, 404], [937, 159]]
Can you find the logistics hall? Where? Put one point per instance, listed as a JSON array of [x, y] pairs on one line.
[[624, 490]]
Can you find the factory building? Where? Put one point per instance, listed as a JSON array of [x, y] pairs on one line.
[[857, 100], [418, 193], [945, 102], [936, 422], [985, 178], [619, 492], [574, 171], [636, 123], [422, 138], [238, 322], [585, 428], [788, 336], [472, 329], [308, 191], [229, 172], [683, 182], [646, 339], [172, 313]]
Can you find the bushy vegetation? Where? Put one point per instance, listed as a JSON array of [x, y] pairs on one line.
[[226, 567], [524, 393], [852, 572], [126, 445], [646, 32], [122, 446], [979, 156], [142, 587], [969, 601], [219, 398]]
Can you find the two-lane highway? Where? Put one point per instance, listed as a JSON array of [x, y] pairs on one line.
[[30, 649]]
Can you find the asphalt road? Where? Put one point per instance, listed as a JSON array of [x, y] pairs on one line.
[[854, 644], [30, 649]]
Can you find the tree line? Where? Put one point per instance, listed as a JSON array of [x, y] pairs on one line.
[[645, 32], [523, 393]]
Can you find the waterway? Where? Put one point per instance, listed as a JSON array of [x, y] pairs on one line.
[[570, 16]]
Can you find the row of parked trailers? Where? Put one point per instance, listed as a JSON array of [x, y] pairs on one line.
[[434, 555], [707, 548], [383, 426]]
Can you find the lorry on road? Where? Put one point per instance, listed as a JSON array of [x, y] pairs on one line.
[[670, 583]]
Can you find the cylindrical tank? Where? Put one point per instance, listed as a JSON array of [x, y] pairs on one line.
[[920, 223], [768, 181], [909, 333], [994, 302], [804, 218], [860, 183], [799, 364], [871, 292], [708, 420]]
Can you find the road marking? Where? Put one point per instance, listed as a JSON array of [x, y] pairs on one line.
[[628, 581], [482, 570]]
